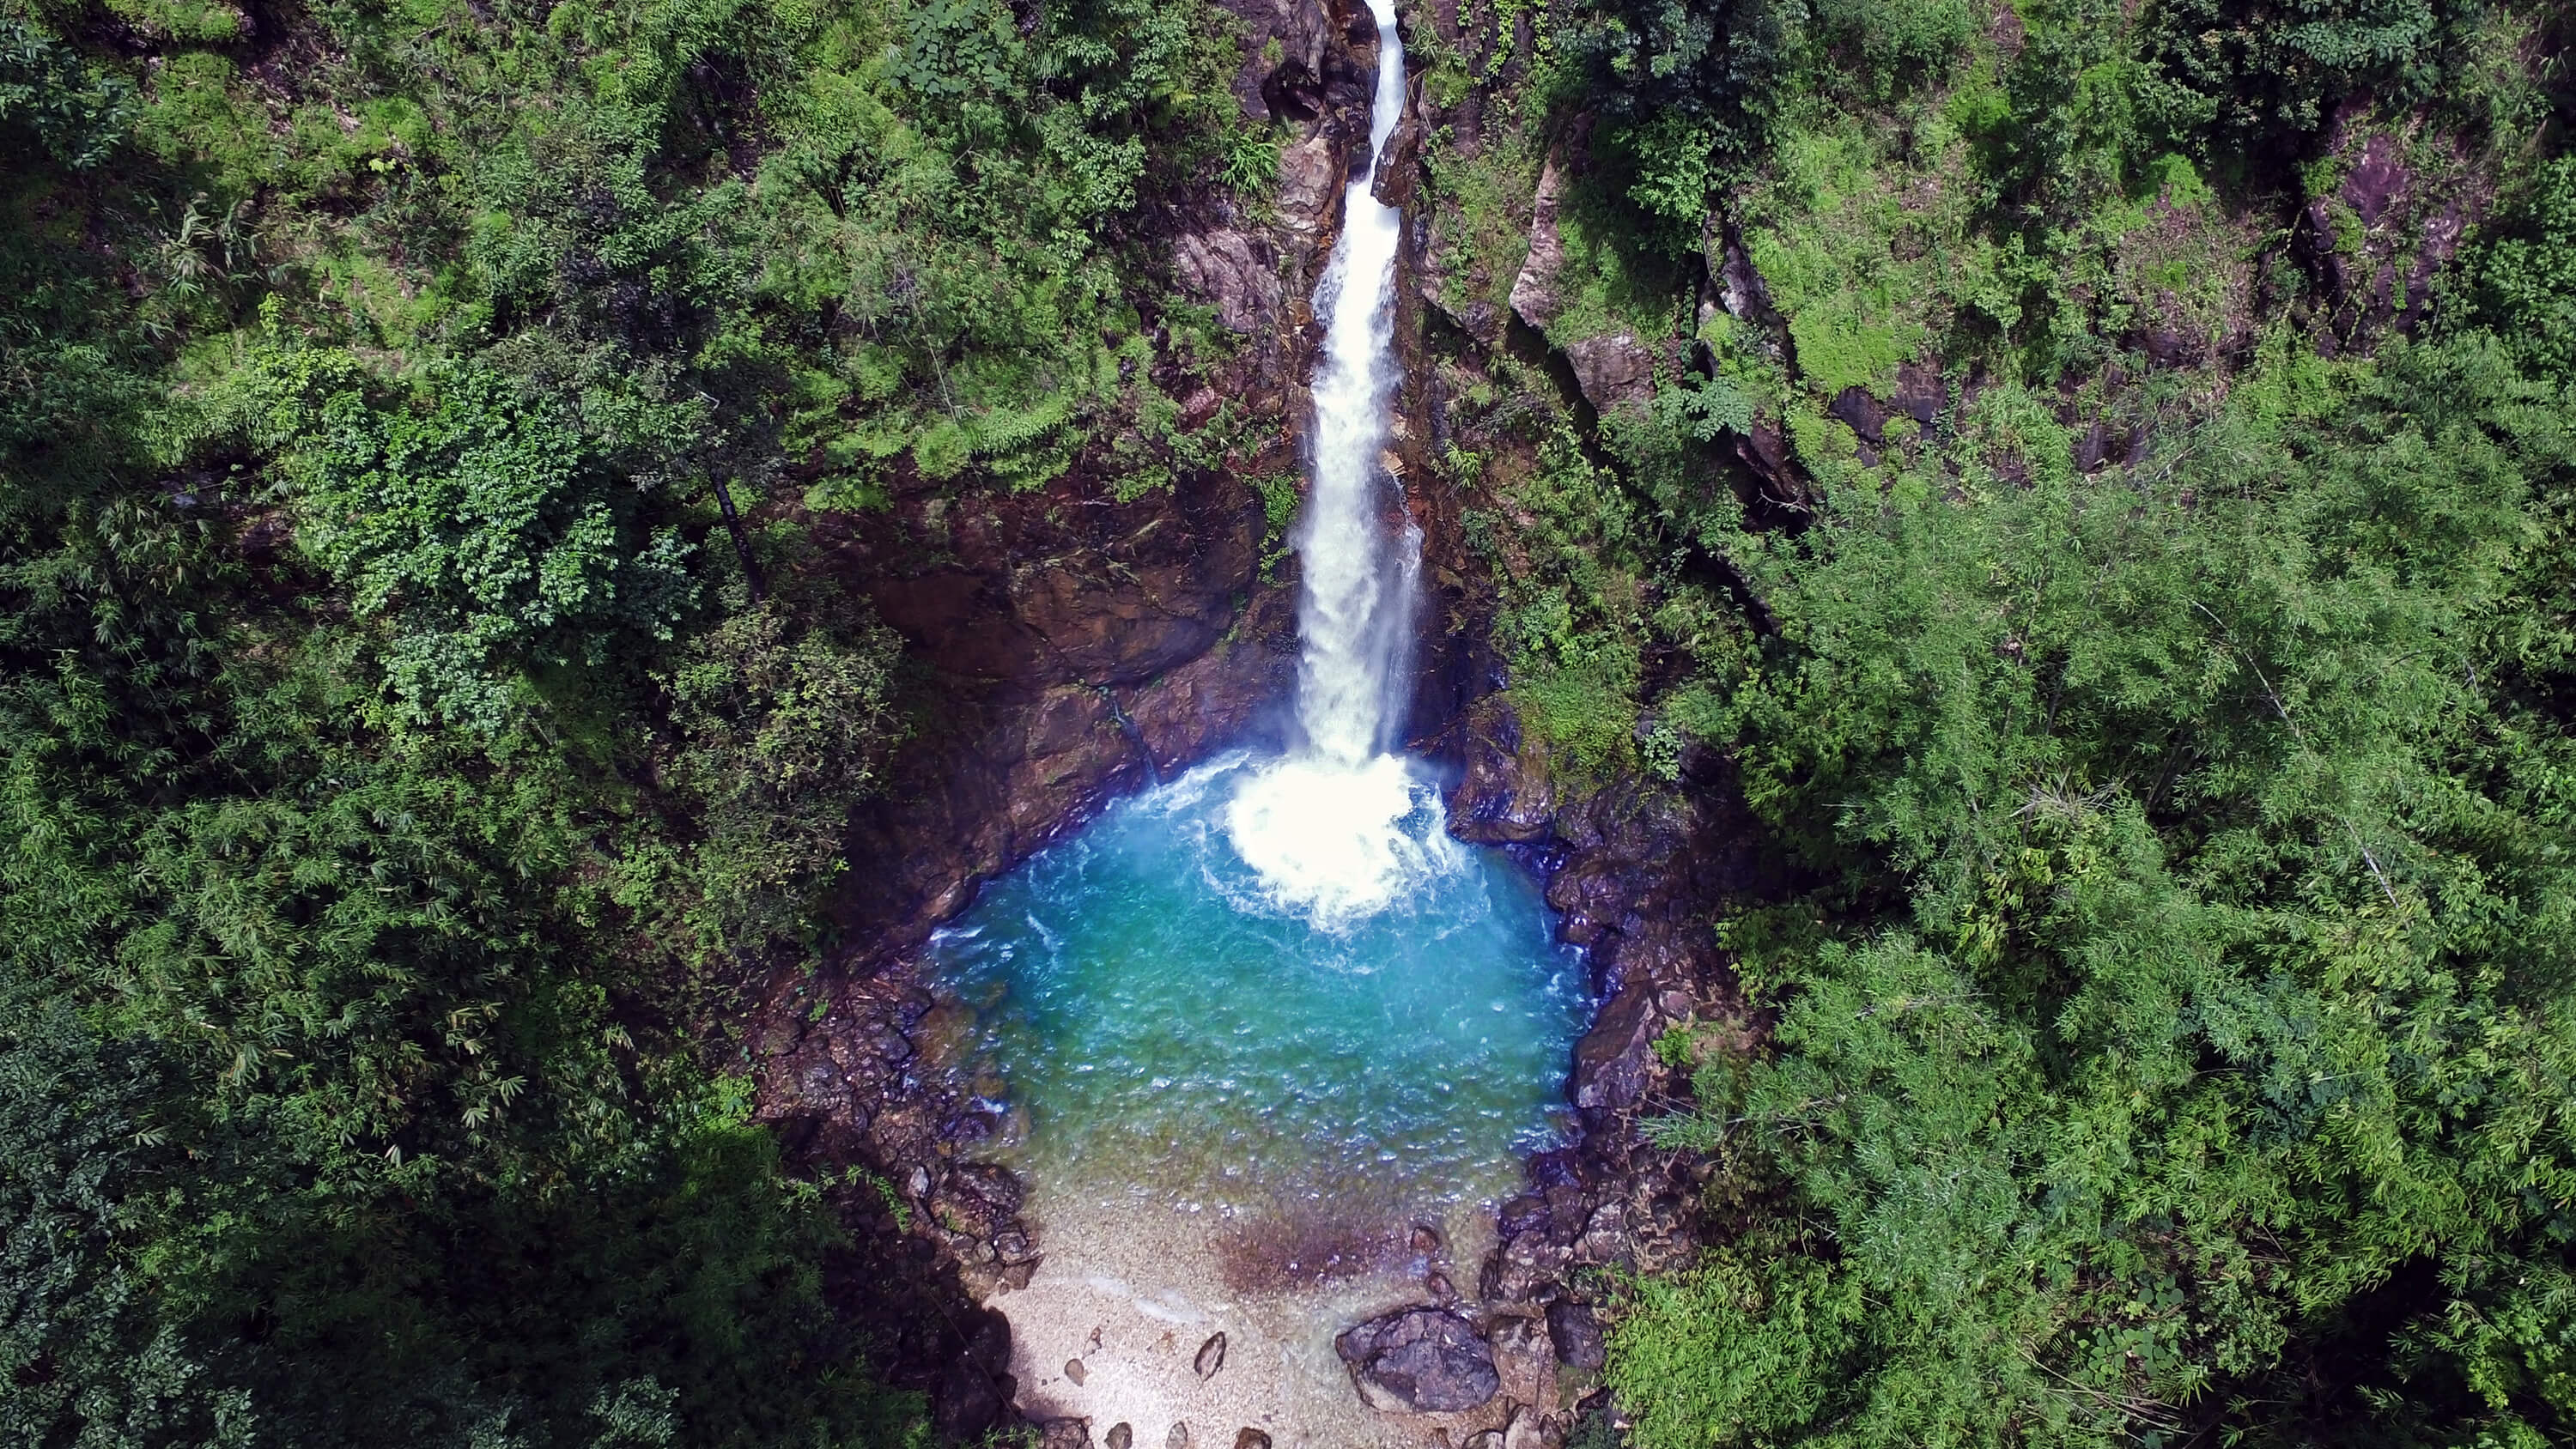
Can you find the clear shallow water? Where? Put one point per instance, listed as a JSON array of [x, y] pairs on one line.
[[1179, 1029]]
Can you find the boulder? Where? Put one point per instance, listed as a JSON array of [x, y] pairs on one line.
[[1420, 1360], [1576, 1335], [1858, 410], [1232, 271], [977, 1197], [1522, 1266], [1534, 291], [1614, 370], [1065, 1434], [1505, 795], [1251, 1439], [970, 1400], [1612, 1059], [1524, 1360], [1120, 1437], [1211, 1357], [1398, 168], [1310, 186]]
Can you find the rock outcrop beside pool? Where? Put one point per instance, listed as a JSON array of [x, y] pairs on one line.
[[1420, 1360]]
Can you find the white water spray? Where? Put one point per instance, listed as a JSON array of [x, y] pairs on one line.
[[1342, 828]]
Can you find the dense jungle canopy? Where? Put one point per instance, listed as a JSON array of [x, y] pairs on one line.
[[423, 716]]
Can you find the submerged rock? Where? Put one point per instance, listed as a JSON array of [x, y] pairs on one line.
[[1425, 1360]]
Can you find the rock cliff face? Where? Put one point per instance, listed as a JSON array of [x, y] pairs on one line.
[[1079, 645], [1076, 643]]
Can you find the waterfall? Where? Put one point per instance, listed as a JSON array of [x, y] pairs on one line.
[[1342, 827], [1356, 615]]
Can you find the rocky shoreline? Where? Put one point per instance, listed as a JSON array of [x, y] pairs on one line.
[[867, 1072]]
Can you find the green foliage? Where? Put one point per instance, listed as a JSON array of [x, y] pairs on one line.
[[1251, 161], [1902, 44], [76, 111], [375, 1074], [2523, 280], [87, 1360], [398, 773], [1716, 64], [481, 523], [2210, 1075], [782, 727], [2245, 74]]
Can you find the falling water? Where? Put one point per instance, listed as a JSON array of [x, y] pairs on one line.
[[1342, 827], [1360, 576]]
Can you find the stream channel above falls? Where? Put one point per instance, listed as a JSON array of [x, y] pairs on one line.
[[1273, 1041]]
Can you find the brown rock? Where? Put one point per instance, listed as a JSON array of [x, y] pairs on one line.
[[1421, 1360], [1120, 1437], [1612, 1059], [1310, 187], [1398, 166], [1179, 1438], [1251, 1439], [1575, 1334], [1523, 1359], [1074, 1370], [1505, 795], [1211, 1357], [1606, 1238], [978, 1197], [1921, 392], [1065, 1434], [1522, 1265], [1615, 371], [1741, 289], [1235, 272], [1862, 413], [1534, 291], [1765, 451]]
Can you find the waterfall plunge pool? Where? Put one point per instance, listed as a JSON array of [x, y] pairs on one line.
[[1260, 1027]]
